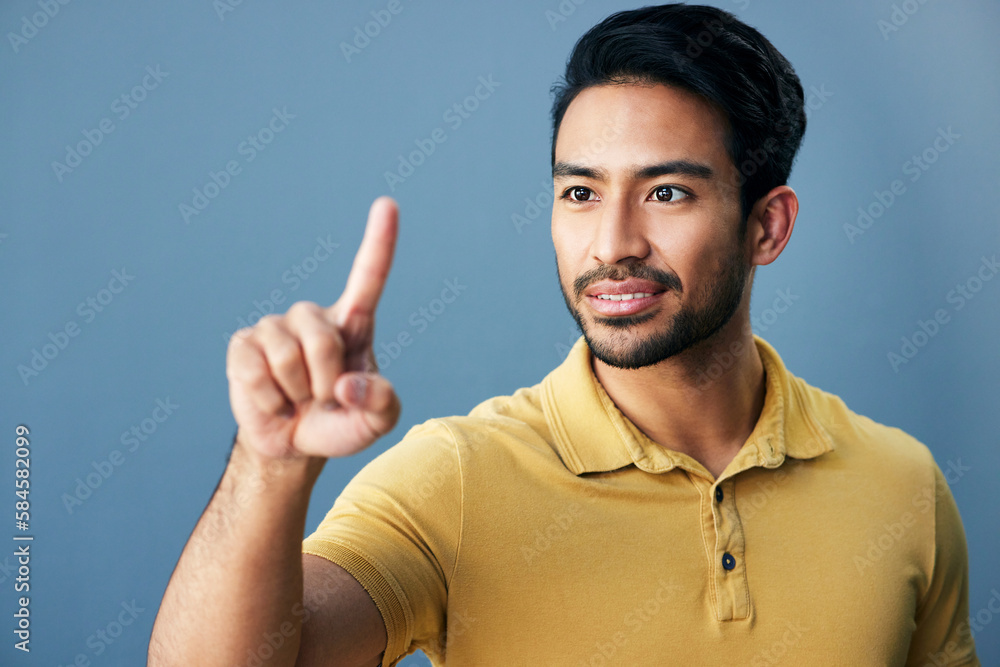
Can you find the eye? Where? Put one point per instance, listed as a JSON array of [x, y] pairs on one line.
[[577, 193], [667, 193]]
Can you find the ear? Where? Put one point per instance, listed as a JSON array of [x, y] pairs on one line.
[[770, 224]]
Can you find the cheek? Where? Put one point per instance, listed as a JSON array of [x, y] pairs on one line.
[[570, 245], [692, 256]]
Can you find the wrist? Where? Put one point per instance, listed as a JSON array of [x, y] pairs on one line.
[[297, 468]]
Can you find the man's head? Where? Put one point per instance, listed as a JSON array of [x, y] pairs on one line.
[[673, 138]]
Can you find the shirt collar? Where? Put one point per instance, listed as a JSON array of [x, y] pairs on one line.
[[592, 434]]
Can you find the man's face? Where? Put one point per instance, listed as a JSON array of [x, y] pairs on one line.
[[646, 193]]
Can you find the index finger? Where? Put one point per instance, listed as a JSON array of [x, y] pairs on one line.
[[371, 265]]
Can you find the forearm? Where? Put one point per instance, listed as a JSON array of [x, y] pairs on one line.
[[239, 579]]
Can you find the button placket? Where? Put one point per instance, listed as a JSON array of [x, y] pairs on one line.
[[729, 571]]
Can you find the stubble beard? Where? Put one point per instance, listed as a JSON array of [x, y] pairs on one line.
[[614, 341]]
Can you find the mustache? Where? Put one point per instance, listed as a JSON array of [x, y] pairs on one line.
[[668, 281]]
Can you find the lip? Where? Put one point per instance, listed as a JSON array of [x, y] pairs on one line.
[[608, 307], [630, 286]]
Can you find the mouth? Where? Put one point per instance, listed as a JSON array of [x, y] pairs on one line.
[[623, 304]]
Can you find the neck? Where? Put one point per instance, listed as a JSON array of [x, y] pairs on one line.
[[703, 402]]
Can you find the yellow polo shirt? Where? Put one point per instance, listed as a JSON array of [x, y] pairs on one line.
[[544, 528]]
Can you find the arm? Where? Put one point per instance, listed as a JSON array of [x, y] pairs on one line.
[[942, 634], [302, 388]]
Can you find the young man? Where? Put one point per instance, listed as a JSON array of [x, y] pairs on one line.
[[670, 494]]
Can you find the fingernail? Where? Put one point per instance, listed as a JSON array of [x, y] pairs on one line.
[[359, 387]]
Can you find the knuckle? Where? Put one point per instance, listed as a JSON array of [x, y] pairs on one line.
[[240, 356], [241, 335], [302, 308], [323, 346], [270, 321], [245, 367], [239, 342], [270, 402], [285, 357], [258, 381]]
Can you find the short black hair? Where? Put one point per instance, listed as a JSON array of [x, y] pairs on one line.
[[710, 52]]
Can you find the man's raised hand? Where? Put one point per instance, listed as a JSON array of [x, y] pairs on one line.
[[306, 383]]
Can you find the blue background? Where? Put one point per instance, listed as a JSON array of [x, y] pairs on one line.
[[885, 95]]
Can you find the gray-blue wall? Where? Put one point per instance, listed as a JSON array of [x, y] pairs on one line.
[[200, 77]]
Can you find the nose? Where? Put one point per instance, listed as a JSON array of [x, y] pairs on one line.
[[620, 234]]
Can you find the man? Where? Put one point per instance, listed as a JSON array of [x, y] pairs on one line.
[[670, 494]]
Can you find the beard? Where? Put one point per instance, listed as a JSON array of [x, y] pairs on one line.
[[617, 347]]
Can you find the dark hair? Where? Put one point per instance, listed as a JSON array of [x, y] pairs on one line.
[[709, 52]]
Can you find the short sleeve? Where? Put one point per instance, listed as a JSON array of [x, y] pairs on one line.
[[396, 528], [943, 634]]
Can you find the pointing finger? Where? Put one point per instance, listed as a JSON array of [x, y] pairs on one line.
[[371, 265]]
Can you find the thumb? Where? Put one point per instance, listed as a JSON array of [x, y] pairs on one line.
[[371, 393]]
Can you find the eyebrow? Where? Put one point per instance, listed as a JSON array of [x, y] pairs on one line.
[[669, 168]]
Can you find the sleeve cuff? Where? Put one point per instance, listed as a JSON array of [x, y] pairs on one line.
[[383, 589]]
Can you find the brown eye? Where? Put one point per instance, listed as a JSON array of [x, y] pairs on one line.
[[668, 193], [580, 193]]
